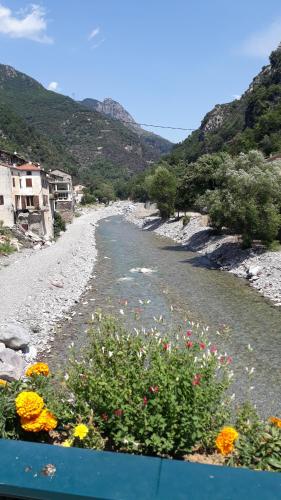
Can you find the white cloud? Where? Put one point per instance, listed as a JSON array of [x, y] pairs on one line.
[[94, 33], [261, 44], [96, 45], [30, 24], [53, 86]]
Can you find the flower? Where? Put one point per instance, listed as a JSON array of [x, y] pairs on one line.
[[275, 421], [189, 344], [104, 417], [153, 389], [80, 431], [45, 421], [37, 369], [197, 379], [29, 404], [225, 440], [3, 383], [188, 333], [145, 400], [118, 412], [67, 443], [202, 345], [213, 349], [166, 346]]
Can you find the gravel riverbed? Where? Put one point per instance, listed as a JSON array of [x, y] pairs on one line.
[[262, 268], [39, 287]]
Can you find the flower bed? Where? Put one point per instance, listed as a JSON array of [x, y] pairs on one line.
[[141, 393]]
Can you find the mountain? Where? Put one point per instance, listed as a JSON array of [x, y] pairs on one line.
[[56, 130], [115, 110], [251, 122]]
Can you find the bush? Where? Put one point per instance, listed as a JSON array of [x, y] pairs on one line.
[[59, 224], [6, 248], [88, 199], [186, 220], [162, 190], [149, 394]]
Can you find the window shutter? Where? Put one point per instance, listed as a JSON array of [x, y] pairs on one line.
[[36, 201], [23, 202]]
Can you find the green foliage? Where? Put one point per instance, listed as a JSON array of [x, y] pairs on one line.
[[59, 224], [248, 200], [6, 248], [185, 220], [88, 199], [259, 444], [162, 190], [149, 395]]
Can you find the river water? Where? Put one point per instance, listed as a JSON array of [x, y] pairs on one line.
[[183, 286]]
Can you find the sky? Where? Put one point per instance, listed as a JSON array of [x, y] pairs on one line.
[[168, 62]]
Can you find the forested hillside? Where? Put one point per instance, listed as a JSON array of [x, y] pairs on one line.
[[252, 122]]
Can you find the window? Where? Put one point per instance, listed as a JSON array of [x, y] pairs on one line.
[[63, 196], [20, 183], [14, 182], [28, 173], [1, 199], [28, 183], [29, 201], [45, 200]]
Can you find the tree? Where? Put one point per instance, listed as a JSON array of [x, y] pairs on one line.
[[162, 190]]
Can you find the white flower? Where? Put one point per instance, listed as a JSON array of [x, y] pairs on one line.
[[103, 349], [252, 370], [140, 301], [252, 387], [232, 397], [171, 308], [66, 377], [110, 354], [121, 312], [249, 347]]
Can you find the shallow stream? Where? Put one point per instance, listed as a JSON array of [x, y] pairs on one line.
[[183, 285]]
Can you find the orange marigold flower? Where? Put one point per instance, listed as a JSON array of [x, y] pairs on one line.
[[29, 404], [276, 421], [45, 421], [225, 440], [3, 383], [37, 369]]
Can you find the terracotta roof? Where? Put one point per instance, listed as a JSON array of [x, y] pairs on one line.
[[28, 166]]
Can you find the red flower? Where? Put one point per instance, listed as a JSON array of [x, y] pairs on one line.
[[153, 389], [197, 379], [166, 346], [229, 360], [188, 333], [222, 359], [202, 345], [145, 400], [104, 417], [118, 412], [189, 344], [213, 349]]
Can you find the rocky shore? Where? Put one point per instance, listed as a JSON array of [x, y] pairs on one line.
[[39, 287], [262, 268]]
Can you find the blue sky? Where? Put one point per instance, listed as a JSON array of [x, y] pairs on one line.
[[167, 61]]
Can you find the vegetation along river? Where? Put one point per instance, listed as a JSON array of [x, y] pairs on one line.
[[182, 286]]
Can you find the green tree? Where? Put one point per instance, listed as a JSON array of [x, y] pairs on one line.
[[162, 190]]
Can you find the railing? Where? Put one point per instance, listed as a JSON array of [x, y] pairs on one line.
[[37, 471]]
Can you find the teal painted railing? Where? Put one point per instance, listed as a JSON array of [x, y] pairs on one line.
[[37, 471]]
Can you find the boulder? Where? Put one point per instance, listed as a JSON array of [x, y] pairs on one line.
[[11, 365], [14, 335], [253, 271]]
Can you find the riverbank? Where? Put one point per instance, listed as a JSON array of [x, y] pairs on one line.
[[261, 268], [39, 287]]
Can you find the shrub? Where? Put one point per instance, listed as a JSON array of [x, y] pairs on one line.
[[59, 224], [6, 248], [186, 220], [149, 394]]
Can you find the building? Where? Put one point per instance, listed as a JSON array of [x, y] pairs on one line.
[[78, 193], [62, 190], [30, 191], [7, 215]]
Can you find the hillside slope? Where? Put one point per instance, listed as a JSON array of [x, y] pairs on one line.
[[64, 132], [252, 122], [115, 110]]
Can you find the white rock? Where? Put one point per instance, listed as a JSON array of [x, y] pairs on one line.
[[11, 365], [14, 335]]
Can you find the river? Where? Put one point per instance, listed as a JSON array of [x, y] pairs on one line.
[[183, 286]]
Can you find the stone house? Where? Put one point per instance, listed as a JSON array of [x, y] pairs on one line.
[[7, 215], [78, 193], [30, 190], [62, 190]]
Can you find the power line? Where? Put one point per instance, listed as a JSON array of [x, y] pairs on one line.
[[156, 126]]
